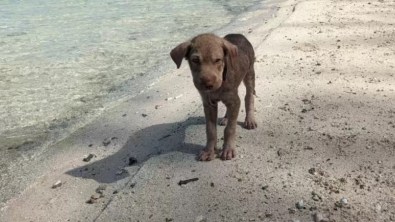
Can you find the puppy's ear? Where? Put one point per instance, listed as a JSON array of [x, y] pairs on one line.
[[179, 52], [230, 50]]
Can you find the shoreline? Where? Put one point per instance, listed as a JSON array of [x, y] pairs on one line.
[[323, 127], [30, 141]]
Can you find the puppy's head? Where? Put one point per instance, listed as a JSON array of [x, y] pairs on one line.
[[207, 55]]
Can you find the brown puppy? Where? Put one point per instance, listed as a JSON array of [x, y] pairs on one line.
[[218, 66]]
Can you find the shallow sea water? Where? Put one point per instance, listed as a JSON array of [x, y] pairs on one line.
[[64, 62]]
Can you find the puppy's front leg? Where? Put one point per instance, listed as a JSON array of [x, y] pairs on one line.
[[211, 113], [232, 111]]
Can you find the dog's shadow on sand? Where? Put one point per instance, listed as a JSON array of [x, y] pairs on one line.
[[142, 145]]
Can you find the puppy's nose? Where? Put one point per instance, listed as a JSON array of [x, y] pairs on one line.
[[207, 83]]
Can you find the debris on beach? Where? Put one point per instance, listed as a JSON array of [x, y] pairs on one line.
[[176, 97], [100, 190], [57, 184], [182, 182], [200, 218], [88, 158], [107, 141], [120, 172], [312, 171], [132, 161], [93, 199]]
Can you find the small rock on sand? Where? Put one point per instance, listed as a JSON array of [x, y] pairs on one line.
[[378, 207], [93, 199], [200, 219], [317, 217], [101, 188], [280, 152], [344, 201], [312, 171], [299, 204], [132, 160], [107, 141]]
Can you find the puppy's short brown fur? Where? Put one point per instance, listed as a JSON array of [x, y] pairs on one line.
[[218, 66]]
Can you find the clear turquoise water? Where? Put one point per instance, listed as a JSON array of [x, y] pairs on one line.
[[63, 62]]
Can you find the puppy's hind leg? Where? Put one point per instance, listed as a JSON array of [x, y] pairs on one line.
[[249, 82]]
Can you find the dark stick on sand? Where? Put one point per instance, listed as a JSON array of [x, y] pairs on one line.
[[182, 182]]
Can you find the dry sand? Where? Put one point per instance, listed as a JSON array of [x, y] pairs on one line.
[[325, 108]]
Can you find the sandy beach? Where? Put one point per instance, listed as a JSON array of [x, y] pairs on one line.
[[325, 108]]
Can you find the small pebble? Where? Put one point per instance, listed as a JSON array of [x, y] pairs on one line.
[[312, 171], [101, 188], [280, 152], [344, 201], [318, 217], [299, 204], [316, 198], [132, 161], [200, 219], [119, 172], [107, 141], [93, 199], [378, 207], [57, 184]]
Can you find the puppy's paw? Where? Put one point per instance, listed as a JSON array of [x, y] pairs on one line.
[[228, 154], [207, 155], [250, 123], [223, 122]]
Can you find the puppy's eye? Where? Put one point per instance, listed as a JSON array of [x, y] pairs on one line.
[[196, 60], [218, 60]]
